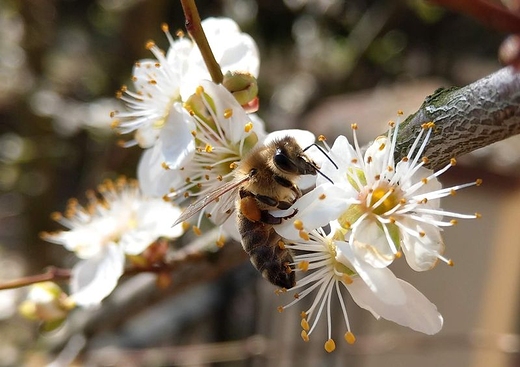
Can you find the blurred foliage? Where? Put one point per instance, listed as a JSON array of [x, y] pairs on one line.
[[61, 62]]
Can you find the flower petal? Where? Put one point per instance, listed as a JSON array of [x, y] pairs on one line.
[[95, 278], [417, 313]]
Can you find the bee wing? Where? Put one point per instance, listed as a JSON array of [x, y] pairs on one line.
[[200, 204]]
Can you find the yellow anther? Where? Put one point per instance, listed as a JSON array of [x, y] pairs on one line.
[[450, 262], [382, 146], [149, 45], [303, 265], [56, 216], [305, 325], [185, 226], [422, 234], [165, 28], [194, 133], [398, 255], [304, 235], [281, 245], [330, 346], [196, 230], [454, 222], [350, 338], [453, 161], [280, 309], [391, 123], [425, 160], [347, 279], [298, 224], [179, 33], [424, 180], [228, 112], [453, 192], [248, 127], [305, 336], [369, 159], [208, 148], [478, 215], [303, 315], [233, 165], [354, 126], [322, 197], [221, 242], [200, 90], [478, 182], [322, 138], [165, 165], [400, 112]]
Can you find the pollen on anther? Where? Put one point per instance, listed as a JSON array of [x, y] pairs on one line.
[[453, 161], [391, 123], [305, 336], [424, 180], [330, 346], [220, 242], [179, 33], [185, 226], [248, 127], [298, 224], [422, 234], [453, 192], [347, 279], [478, 182], [322, 138], [165, 28], [454, 222], [196, 230], [281, 245], [304, 235], [450, 262], [228, 112], [354, 126], [233, 165], [425, 160], [280, 309], [478, 215], [349, 337], [398, 255], [194, 133], [322, 197], [382, 146], [199, 90], [400, 112], [56, 216], [305, 325], [149, 44], [303, 265]]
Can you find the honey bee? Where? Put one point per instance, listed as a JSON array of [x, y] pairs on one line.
[[264, 181]]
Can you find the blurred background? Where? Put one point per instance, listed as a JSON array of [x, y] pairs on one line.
[[324, 65]]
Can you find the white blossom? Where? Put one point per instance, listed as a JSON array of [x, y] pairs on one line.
[[382, 205], [329, 266], [169, 78], [117, 222]]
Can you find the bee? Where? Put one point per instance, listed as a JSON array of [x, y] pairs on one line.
[[265, 180]]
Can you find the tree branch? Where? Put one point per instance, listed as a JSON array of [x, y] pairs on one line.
[[194, 28], [466, 118]]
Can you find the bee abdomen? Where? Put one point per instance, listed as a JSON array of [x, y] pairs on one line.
[[261, 242]]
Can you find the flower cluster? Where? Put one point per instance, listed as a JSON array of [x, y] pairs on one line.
[[376, 209], [118, 222], [361, 212]]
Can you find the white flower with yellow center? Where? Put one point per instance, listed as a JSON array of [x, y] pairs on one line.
[[222, 135], [382, 205], [329, 265], [118, 221], [171, 77]]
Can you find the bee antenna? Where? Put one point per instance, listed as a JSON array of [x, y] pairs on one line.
[[326, 155], [324, 175]]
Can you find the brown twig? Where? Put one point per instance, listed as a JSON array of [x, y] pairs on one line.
[[194, 28]]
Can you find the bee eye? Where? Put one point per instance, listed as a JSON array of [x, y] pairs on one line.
[[284, 163]]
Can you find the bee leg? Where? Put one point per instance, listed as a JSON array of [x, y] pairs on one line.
[[282, 205], [268, 218]]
